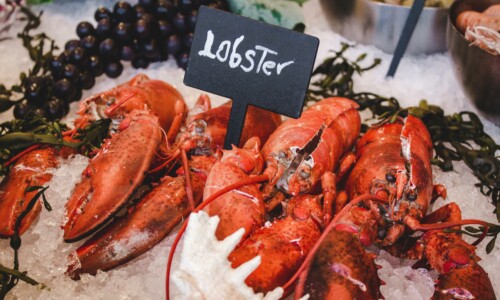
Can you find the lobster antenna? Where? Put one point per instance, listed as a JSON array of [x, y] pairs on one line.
[[304, 267], [251, 180], [111, 109], [187, 176], [164, 164], [17, 156], [427, 227]]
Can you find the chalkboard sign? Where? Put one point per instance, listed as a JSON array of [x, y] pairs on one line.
[[251, 63]]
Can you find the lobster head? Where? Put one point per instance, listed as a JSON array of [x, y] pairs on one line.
[[139, 93], [247, 158], [394, 164]]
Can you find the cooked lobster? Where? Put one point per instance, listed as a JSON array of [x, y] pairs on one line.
[[300, 158], [391, 191], [170, 200]]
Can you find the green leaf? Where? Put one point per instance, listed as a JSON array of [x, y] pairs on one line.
[[33, 188], [5, 104], [472, 229], [491, 245]]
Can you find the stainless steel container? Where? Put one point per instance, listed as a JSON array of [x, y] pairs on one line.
[[380, 24], [477, 70]]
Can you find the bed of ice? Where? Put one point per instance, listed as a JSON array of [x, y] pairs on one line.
[[43, 253]]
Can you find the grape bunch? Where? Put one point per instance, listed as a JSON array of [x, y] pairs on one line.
[[147, 32]]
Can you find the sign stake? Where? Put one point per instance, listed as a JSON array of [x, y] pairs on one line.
[[235, 126]]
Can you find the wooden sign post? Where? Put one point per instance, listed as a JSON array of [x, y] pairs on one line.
[[252, 63]]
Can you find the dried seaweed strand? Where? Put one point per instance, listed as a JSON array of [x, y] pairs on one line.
[[9, 277], [36, 46]]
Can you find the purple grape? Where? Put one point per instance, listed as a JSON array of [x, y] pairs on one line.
[[102, 13], [179, 22], [70, 72], [122, 12], [149, 49], [71, 45], [103, 29], [182, 59], [185, 6], [56, 65], [173, 44], [142, 29], [21, 109], [139, 11], [187, 40], [78, 57], [84, 28], [35, 90], [55, 109], [140, 62], [90, 44], [147, 4], [127, 53], [87, 81], [94, 65], [164, 28], [122, 32], [64, 89], [191, 20], [107, 48], [113, 69], [164, 10]]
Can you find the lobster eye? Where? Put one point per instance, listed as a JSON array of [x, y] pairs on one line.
[[412, 196], [390, 178], [199, 127], [282, 154], [110, 101]]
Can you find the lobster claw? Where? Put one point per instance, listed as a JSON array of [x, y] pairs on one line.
[[154, 217], [31, 169], [112, 176], [460, 275]]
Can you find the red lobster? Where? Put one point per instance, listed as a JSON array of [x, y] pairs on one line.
[[297, 155], [144, 107], [167, 203], [391, 190]]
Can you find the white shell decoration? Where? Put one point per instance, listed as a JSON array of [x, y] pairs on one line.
[[205, 272]]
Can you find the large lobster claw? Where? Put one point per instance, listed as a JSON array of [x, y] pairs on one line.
[[32, 169], [460, 275], [112, 175], [146, 225]]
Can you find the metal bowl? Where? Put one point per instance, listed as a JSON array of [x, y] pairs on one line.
[[477, 70], [380, 24]]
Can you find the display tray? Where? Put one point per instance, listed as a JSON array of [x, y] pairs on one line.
[[43, 252]]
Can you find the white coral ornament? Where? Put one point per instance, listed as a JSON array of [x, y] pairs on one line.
[[204, 270]]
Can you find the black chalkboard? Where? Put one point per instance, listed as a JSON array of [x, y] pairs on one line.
[[252, 63]]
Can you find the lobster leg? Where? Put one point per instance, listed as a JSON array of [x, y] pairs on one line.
[[180, 111], [328, 181], [346, 165], [127, 237], [31, 169]]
